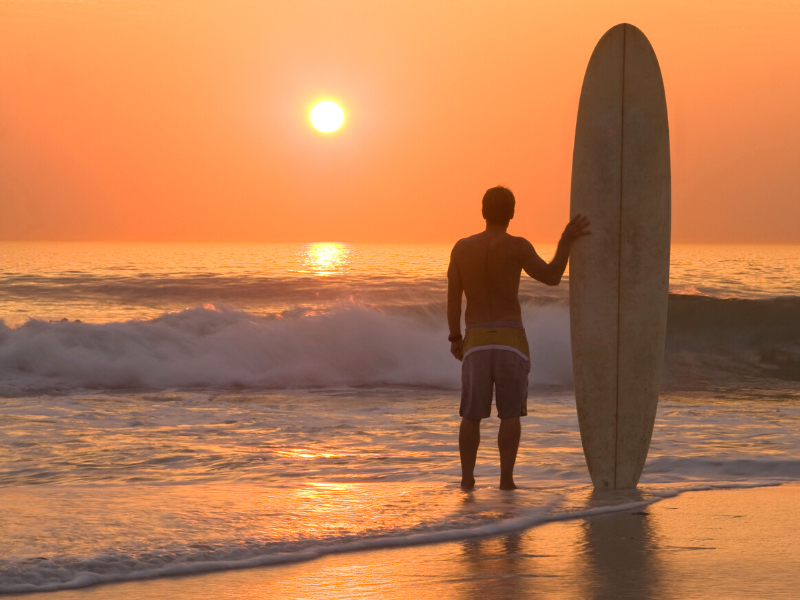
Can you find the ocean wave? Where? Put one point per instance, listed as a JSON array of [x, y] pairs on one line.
[[189, 289], [714, 339], [218, 347], [224, 348], [708, 340]]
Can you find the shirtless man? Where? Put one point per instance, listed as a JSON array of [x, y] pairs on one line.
[[486, 267]]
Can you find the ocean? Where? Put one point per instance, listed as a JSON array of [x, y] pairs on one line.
[[181, 408]]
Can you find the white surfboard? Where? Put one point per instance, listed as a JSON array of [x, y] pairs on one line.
[[619, 275]]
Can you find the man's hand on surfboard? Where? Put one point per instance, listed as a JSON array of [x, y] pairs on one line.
[[577, 227]]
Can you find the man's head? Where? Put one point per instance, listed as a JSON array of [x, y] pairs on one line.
[[498, 206]]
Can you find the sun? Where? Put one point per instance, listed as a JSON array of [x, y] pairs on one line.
[[327, 116]]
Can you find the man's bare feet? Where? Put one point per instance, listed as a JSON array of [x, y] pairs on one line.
[[467, 484], [507, 485]]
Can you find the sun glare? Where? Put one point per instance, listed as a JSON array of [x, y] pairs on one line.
[[327, 116], [325, 259]]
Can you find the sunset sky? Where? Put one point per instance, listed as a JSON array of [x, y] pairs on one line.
[[189, 120]]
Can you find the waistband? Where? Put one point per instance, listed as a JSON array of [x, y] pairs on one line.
[[516, 324], [496, 338]]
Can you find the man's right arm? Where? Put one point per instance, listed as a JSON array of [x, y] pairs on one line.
[[550, 273], [455, 290]]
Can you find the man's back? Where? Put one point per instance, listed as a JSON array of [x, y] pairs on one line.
[[489, 265]]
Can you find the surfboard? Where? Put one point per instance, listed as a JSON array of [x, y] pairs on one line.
[[619, 275]]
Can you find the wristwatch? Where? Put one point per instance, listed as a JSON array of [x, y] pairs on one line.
[[454, 338]]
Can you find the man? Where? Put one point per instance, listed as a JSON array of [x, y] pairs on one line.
[[486, 268]]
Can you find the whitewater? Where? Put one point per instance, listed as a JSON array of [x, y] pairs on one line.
[[177, 408]]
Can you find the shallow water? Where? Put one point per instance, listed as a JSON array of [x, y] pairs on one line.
[[718, 545], [103, 487]]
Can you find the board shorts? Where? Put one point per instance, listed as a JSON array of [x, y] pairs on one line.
[[496, 359]]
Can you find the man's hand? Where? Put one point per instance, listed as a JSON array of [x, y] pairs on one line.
[[577, 227], [457, 349]]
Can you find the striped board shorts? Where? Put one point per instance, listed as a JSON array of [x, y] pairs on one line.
[[496, 362]]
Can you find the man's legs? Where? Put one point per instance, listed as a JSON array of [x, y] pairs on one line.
[[469, 438], [508, 443]]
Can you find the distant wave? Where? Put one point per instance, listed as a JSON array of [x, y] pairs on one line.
[[193, 289], [708, 340], [712, 339]]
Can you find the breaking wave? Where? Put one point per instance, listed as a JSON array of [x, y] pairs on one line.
[[224, 348], [708, 340]]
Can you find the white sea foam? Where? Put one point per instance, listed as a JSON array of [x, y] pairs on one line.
[[218, 347], [708, 340]]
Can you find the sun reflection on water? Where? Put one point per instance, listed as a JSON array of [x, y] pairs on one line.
[[312, 453], [308, 454], [325, 258]]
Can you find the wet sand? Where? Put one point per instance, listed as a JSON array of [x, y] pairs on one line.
[[734, 543]]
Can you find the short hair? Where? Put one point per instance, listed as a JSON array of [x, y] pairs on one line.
[[498, 205]]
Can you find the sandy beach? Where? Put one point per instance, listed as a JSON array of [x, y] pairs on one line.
[[725, 543]]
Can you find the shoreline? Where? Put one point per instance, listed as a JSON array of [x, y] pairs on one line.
[[446, 546]]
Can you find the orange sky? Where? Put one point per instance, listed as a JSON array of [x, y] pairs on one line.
[[188, 120]]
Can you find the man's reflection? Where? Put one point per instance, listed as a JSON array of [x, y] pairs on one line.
[[609, 556], [495, 567]]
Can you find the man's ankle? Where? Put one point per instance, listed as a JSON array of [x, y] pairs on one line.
[[507, 483]]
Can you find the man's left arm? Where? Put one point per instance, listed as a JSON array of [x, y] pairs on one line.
[[455, 290]]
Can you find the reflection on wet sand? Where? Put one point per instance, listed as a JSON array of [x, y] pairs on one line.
[[610, 556], [606, 557], [496, 568], [621, 554], [717, 545]]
